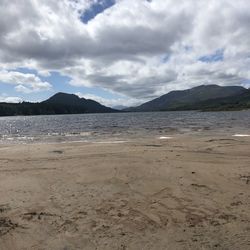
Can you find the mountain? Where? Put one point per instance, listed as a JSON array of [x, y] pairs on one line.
[[64, 99], [195, 98], [60, 103], [236, 102], [89, 106]]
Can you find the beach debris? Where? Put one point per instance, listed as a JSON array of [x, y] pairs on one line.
[[236, 203], [57, 151], [221, 139], [153, 145], [6, 225], [198, 185], [37, 215], [4, 208], [245, 178]]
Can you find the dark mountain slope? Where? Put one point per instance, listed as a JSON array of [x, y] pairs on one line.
[[236, 102], [175, 100], [90, 106], [64, 99]]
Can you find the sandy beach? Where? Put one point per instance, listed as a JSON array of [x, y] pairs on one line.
[[186, 192]]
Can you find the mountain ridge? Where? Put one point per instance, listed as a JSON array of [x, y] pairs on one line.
[[189, 99], [202, 98]]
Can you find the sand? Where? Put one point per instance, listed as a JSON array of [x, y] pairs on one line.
[[185, 192]]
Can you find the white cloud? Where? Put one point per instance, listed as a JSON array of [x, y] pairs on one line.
[[10, 99], [110, 102], [140, 49], [26, 83]]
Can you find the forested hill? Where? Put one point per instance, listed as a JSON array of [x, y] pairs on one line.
[[204, 97], [60, 103]]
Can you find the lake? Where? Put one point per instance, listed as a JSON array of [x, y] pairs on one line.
[[120, 126]]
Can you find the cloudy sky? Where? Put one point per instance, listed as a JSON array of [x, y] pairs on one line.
[[121, 51]]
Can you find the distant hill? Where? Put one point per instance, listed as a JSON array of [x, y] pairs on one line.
[[65, 99], [120, 107], [236, 102], [203, 97], [89, 106], [60, 103]]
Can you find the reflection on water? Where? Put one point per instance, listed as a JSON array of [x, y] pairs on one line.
[[120, 126]]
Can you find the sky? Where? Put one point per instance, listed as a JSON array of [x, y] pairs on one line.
[[121, 52]]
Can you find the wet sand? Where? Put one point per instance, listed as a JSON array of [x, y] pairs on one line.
[[180, 193]]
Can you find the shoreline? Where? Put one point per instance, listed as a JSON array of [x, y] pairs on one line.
[[187, 192], [121, 140]]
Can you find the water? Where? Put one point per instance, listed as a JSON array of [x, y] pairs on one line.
[[120, 126]]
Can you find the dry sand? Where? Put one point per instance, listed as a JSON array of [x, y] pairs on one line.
[[180, 193]]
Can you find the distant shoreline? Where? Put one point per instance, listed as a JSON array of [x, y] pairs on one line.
[[121, 111]]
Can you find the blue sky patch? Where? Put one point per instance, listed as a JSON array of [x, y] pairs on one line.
[[188, 48], [215, 57], [96, 9], [165, 58]]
